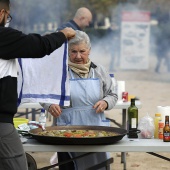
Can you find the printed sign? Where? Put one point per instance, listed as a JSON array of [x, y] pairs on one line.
[[135, 33]]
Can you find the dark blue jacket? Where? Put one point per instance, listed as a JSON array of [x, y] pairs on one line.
[[69, 24]]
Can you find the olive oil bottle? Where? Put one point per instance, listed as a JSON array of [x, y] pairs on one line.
[[132, 120]]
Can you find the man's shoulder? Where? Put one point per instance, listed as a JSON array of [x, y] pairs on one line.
[[8, 30], [70, 24]]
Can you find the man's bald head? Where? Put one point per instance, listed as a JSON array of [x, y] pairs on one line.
[[83, 17], [82, 12]]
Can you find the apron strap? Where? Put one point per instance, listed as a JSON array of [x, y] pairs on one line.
[[92, 72], [71, 73]]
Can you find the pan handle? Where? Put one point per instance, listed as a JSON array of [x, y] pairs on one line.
[[24, 133], [133, 131]]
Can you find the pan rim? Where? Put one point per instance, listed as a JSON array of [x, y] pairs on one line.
[[79, 141]]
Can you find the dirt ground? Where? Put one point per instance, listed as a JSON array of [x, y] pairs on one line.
[[153, 90]]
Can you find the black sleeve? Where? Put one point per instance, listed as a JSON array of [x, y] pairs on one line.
[[15, 44]]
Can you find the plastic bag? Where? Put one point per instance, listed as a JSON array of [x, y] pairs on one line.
[[146, 125], [54, 159]]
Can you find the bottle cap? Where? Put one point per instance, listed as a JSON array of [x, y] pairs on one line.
[[42, 110], [132, 99], [157, 114], [111, 75]]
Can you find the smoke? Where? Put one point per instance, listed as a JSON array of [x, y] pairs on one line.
[[37, 16], [107, 50], [41, 16]]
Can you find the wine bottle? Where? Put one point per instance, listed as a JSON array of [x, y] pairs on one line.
[[132, 120]]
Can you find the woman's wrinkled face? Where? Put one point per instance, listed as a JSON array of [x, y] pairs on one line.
[[79, 53]]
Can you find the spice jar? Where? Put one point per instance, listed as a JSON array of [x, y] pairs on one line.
[[161, 126]]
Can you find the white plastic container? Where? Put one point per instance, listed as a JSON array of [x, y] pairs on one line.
[[42, 118], [164, 111], [121, 89]]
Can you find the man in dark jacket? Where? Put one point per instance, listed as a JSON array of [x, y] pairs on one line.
[[82, 19], [14, 44]]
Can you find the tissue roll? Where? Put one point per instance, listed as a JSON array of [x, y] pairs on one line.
[[121, 88], [164, 111]]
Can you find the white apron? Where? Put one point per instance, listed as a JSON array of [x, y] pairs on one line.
[[85, 92]]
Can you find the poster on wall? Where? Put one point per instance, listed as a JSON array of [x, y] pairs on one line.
[[135, 33]]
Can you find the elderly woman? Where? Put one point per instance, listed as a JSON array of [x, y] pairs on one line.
[[91, 92]]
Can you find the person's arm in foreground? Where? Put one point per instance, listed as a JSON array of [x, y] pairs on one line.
[[15, 44]]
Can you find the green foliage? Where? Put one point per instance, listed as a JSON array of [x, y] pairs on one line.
[[96, 6]]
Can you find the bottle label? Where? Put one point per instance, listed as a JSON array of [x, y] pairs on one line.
[[167, 123], [133, 123], [42, 119], [166, 137], [166, 134], [161, 126]]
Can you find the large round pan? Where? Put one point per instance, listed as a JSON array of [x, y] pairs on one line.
[[79, 141]]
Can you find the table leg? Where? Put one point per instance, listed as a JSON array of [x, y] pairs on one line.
[[26, 113], [33, 115], [123, 159], [123, 154], [124, 118]]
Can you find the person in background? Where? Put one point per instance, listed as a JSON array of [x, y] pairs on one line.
[[162, 39], [113, 36], [91, 93], [81, 20], [14, 44]]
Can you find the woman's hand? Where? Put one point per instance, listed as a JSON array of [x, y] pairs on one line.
[[55, 110], [100, 106]]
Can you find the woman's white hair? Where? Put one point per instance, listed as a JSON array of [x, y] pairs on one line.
[[80, 37]]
